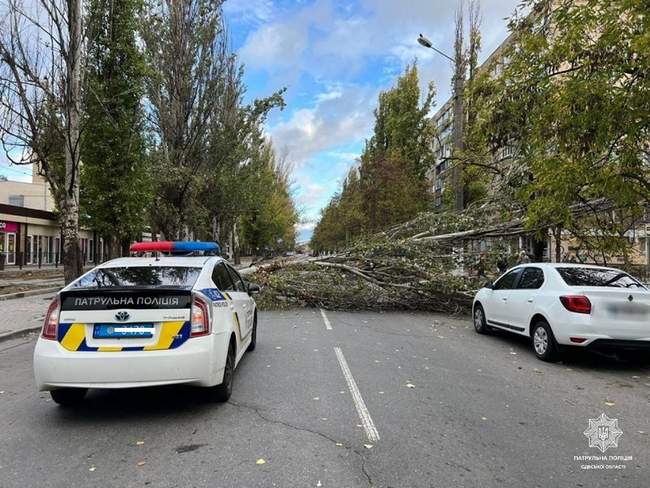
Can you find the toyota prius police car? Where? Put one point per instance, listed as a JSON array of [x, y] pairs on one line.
[[179, 317]]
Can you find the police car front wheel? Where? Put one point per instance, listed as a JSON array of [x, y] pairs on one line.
[[68, 396]]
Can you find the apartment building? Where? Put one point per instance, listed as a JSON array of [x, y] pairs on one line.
[[443, 120], [440, 177]]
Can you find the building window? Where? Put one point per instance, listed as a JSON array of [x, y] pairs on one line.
[[57, 250], [17, 200]]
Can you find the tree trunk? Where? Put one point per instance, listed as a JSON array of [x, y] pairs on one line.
[[235, 244], [113, 247], [558, 244], [459, 114], [72, 266]]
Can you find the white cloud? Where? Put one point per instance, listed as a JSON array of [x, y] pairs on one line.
[[305, 226], [332, 121], [327, 42], [250, 11], [311, 193]]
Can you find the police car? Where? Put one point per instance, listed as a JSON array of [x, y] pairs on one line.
[[175, 317]]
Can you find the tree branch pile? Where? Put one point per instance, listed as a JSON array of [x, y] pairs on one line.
[[412, 266]]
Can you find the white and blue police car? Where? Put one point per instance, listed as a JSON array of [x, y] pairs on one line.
[[178, 314]]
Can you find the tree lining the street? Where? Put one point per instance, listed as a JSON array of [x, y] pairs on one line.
[[389, 184], [206, 140], [150, 96], [42, 48], [116, 182]]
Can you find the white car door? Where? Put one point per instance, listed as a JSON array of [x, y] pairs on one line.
[[496, 306], [521, 301], [243, 301]]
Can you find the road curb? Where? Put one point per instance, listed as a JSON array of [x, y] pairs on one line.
[[17, 333], [29, 293]]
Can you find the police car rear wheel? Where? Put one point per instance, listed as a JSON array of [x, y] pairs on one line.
[[222, 392], [68, 396]]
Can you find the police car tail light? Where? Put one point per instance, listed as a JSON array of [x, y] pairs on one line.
[[200, 318], [51, 320]]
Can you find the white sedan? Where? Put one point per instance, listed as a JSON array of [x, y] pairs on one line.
[[561, 304], [147, 321]]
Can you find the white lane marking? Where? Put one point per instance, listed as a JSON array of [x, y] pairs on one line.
[[362, 410], [328, 326]]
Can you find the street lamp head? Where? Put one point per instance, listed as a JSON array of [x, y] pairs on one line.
[[424, 41]]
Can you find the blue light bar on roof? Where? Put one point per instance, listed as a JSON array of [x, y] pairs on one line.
[[191, 246]]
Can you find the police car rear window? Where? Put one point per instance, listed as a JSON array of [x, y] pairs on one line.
[[140, 276]]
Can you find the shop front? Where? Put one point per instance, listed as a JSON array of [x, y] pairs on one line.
[[32, 237], [8, 240]]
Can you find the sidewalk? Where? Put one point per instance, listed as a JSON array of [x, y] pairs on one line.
[[19, 317]]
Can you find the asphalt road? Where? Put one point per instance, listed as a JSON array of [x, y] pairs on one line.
[[450, 408]]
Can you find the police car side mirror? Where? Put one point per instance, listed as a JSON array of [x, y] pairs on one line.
[[489, 285], [253, 288]]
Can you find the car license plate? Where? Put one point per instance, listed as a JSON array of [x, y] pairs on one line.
[[123, 331]]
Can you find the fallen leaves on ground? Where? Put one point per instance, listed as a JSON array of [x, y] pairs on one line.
[[260, 461]]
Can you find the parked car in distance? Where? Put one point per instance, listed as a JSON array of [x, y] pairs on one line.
[[559, 305]]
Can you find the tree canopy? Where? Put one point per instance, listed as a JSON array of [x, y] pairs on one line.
[[572, 100], [389, 184], [116, 184]]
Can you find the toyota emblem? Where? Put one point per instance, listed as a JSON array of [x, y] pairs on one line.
[[122, 316]]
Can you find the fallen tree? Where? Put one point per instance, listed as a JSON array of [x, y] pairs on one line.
[[430, 263], [399, 269]]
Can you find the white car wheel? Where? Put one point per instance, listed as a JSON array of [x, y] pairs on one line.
[[544, 343], [480, 324], [540, 341]]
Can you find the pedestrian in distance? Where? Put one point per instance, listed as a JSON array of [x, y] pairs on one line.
[[523, 258]]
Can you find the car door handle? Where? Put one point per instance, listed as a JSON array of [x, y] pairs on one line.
[[504, 299], [530, 300]]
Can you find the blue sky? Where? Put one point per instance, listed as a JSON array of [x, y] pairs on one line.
[[334, 57]]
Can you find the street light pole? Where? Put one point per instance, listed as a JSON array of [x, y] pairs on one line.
[[457, 134]]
